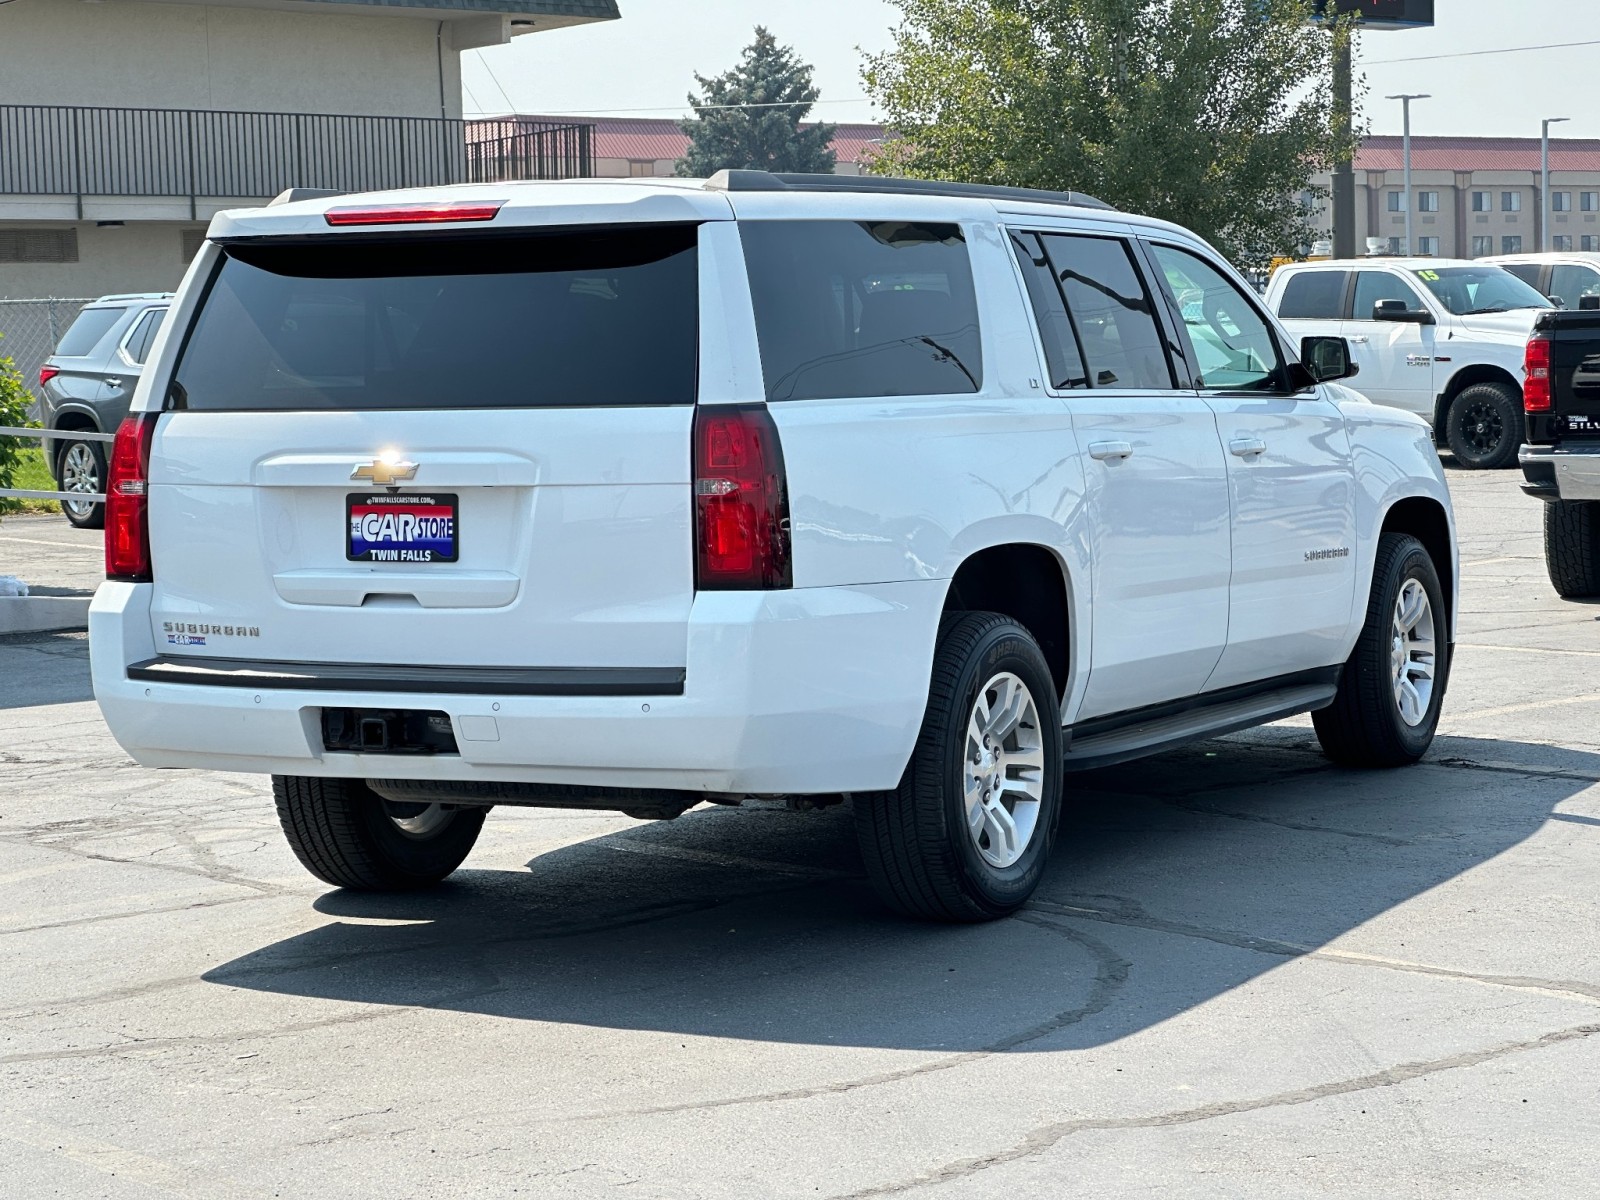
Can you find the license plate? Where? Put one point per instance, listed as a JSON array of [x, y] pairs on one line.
[[408, 527]]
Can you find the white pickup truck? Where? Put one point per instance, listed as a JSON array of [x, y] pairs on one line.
[[1441, 338]]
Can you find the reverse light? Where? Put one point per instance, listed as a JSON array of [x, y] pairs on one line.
[[741, 501], [127, 501], [46, 374], [443, 211], [1536, 396]]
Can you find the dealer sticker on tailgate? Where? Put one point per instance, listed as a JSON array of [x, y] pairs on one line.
[[412, 527]]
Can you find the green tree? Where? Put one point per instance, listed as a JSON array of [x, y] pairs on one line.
[[750, 116], [14, 402], [1211, 113]]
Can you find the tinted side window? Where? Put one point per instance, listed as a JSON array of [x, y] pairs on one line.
[[1527, 272], [92, 325], [1314, 296], [859, 308], [1572, 284], [1373, 286], [1061, 351], [1233, 346], [1112, 311], [138, 347]]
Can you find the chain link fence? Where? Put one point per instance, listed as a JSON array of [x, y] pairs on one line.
[[29, 331]]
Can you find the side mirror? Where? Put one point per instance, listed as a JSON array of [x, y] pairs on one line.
[[1588, 303], [1327, 359], [1557, 301], [1396, 310]]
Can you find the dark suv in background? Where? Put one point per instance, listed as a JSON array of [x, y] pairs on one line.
[[85, 387]]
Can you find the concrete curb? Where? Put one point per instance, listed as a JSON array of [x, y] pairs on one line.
[[43, 614]]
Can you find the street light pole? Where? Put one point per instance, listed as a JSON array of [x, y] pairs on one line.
[[1546, 200], [1406, 100]]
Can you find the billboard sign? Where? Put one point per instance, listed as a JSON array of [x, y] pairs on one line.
[[1384, 14]]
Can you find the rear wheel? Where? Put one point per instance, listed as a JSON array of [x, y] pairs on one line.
[[1484, 426], [1572, 547], [347, 835], [81, 467], [1392, 688], [967, 834]]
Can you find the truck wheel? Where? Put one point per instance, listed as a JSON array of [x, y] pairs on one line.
[[81, 467], [1392, 688], [967, 834], [346, 835], [1572, 547], [1484, 426]]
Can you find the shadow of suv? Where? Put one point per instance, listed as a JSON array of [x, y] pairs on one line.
[[86, 385]]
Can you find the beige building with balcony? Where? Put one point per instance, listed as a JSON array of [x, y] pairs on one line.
[[1475, 197]]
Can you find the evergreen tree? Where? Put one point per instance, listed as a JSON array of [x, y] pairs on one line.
[[750, 116]]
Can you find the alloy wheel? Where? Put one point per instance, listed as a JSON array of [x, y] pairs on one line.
[[1413, 653], [80, 473], [1003, 770]]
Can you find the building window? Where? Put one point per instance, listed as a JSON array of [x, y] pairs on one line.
[[38, 245], [1397, 245], [1482, 247], [1510, 201], [1589, 201], [1427, 201], [638, 167], [1482, 201], [193, 239], [1511, 244], [1590, 243], [1428, 247], [1397, 202], [1561, 201], [1562, 242]]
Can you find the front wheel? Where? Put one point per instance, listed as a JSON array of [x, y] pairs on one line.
[[1392, 688], [81, 467], [347, 835], [1484, 426], [968, 832]]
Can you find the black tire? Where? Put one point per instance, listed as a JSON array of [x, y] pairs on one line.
[[79, 458], [346, 835], [1364, 726], [914, 839], [1484, 426], [1572, 547]]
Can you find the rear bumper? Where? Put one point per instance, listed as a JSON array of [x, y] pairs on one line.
[[1553, 474], [812, 690]]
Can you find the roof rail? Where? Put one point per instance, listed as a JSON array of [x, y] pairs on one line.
[[768, 181], [132, 296]]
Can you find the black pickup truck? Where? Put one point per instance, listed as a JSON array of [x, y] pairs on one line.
[[1561, 461]]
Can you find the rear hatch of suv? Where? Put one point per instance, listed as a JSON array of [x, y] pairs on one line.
[[433, 449]]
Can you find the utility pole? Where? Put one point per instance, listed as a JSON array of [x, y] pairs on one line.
[[1406, 100], [1546, 200], [1344, 173]]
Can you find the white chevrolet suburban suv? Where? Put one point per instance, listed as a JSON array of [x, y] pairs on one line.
[[1437, 337], [633, 495]]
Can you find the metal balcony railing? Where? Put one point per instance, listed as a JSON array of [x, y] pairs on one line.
[[200, 154]]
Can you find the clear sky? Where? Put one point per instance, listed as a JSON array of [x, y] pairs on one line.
[[645, 63]]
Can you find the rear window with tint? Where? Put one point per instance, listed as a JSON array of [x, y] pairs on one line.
[[92, 325], [1314, 296], [863, 309], [596, 317]]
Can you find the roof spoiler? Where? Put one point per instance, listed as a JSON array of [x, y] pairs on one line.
[[768, 181]]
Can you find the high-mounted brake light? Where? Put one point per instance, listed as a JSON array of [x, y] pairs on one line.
[[416, 214], [127, 500], [46, 374], [1536, 388], [741, 501]]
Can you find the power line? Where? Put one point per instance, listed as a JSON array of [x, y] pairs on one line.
[[1384, 62], [503, 93]]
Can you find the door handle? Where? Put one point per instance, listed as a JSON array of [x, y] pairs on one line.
[[1104, 450], [113, 381], [1245, 447], [1360, 339]]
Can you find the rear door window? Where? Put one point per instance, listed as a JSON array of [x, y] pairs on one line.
[[92, 325], [137, 344], [572, 318], [1314, 296], [1527, 272], [1112, 311], [863, 309]]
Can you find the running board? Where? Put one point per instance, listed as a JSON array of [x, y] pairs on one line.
[[1104, 742]]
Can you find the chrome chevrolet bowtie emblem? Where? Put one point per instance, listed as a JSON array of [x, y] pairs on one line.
[[383, 473]]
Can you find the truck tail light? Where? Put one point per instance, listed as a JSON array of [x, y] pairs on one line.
[[1536, 388], [46, 374], [127, 499], [741, 501]]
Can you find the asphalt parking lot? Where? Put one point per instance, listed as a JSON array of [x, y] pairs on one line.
[[1248, 974]]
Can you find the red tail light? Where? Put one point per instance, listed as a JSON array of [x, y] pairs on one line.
[[127, 495], [46, 374], [741, 501], [415, 214], [1536, 388]]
